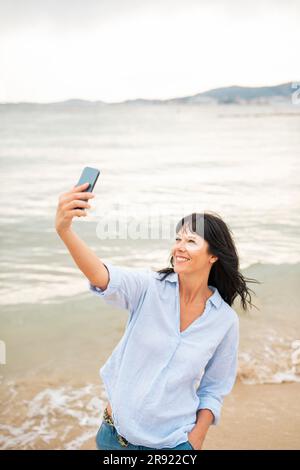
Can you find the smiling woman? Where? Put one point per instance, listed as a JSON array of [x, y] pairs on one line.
[[178, 356], [177, 359], [204, 253]]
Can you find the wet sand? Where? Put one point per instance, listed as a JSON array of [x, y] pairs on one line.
[[258, 417], [263, 416], [46, 415]]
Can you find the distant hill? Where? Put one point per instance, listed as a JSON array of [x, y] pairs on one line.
[[227, 95], [72, 103], [239, 94]]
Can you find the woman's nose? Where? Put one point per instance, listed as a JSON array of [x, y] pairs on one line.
[[181, 246]]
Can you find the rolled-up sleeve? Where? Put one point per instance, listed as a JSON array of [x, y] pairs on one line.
[[220, 373], [126, 287]]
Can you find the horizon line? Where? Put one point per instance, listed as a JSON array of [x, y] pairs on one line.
[[291, 82]]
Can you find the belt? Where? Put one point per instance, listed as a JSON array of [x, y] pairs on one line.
[[108, 419]]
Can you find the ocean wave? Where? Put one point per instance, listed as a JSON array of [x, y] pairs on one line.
[[39, 417], [42, 414], [278, 362], [262, 266]]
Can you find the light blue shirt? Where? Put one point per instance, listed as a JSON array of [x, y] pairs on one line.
[[158, 377]]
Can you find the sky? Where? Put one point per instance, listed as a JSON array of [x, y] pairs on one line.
[[114, 50]]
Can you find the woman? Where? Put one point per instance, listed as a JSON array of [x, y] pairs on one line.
[[167, 377]]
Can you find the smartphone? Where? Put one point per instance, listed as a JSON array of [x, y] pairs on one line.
[[88, 175]]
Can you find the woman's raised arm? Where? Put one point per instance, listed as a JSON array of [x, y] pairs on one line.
[[86, 260]]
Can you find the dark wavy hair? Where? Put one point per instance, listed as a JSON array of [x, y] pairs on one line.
[[224, 273]]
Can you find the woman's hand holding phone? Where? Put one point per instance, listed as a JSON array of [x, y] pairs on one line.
[[67, 204]]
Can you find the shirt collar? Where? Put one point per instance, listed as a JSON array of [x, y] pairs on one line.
[[215, 299]]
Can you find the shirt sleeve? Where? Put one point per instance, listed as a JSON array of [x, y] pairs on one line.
[[220, 373], [126, 287]]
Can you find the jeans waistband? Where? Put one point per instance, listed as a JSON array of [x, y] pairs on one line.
[[109, 419]]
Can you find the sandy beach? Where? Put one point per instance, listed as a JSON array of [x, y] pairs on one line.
[[256, 417], [263, 416], [46, 417]]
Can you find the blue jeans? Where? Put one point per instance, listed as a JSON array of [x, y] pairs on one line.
[[107, 438]]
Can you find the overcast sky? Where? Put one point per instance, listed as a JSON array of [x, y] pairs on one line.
[[113, 50]]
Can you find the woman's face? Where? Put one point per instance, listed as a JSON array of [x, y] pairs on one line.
[[190, 252]]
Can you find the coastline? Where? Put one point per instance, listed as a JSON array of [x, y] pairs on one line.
[[41, 414]]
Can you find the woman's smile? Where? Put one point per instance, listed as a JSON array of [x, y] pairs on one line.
[[181, 259]]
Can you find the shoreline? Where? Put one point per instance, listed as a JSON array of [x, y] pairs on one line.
[[68, 416]]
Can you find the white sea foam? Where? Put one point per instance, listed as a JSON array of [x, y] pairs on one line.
[[38, 416], [55, 418], [278, 362]]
